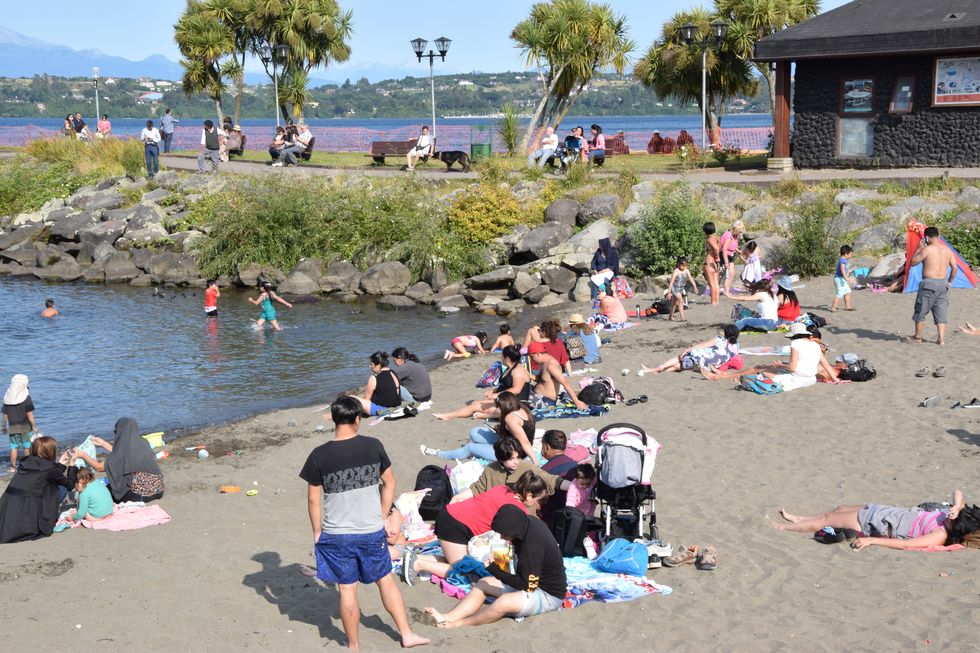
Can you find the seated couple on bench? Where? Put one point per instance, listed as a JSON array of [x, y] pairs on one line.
[[291, 144]]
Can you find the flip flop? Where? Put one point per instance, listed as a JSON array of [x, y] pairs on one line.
[[940, 372], [973, 404], [957, 405], [929, 402], [925, 371]]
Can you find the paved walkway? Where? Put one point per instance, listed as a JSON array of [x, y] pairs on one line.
[[754, 177]]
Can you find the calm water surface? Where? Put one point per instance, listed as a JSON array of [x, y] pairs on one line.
[[118, 351]]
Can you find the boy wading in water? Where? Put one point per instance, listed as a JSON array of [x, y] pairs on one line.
[[347, 513], [938, 272]]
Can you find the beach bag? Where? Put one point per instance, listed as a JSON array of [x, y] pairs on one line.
[[759, 384], [491, 378], [621, 288], [575, 346], [464, 475], [813, 321], [414, 527], [568, 526], [621, 556], [594, 394], [859, 371], [434, 479], [661, 306]]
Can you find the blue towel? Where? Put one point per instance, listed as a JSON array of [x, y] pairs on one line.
[[460, 573]]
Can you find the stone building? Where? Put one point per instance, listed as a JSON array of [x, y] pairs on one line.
[[881, 83]]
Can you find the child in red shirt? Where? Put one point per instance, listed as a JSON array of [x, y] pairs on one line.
[[211, 294]]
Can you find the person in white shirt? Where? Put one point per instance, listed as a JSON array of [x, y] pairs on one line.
[[301, 140], [211, 138], [151, 148], [548, 146], [425, 146]]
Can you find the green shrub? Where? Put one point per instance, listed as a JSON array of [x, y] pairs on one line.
[[509, 128], [669, 228], [492, 170], [102, 157], [485, 212], [577, 175], [26, 186], [625, 180], [788, 188], [965, 239], [810, 251]]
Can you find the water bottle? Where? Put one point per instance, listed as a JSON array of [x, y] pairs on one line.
[[638, 314]]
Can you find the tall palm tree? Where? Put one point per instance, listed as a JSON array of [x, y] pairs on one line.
[[673, 69], [751, 20], [203, 43], [233, 15], [568, 41]]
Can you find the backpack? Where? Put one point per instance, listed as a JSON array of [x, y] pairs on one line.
[[740, 312], [661, 306], [859, 371], [491, 378], [594, 394], [434, 479], [568, 526], [813, 321], [759, 384]]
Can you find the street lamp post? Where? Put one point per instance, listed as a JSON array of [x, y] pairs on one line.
[[719, 30], [442, 45], [95, 85], [272, 55]]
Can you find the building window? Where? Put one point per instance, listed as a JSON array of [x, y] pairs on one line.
[[857, 96], [855, 137], [902, 95]]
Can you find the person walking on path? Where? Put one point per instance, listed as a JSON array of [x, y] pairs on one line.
[[347, 512], [211, 138], [167, 124], [151, 148], [938, 272]]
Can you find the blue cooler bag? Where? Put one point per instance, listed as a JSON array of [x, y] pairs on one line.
[[620, 556]]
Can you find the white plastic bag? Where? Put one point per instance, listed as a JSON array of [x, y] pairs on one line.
[[464, 475]]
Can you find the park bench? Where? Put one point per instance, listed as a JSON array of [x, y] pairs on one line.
[[614, 145], [308, 152], [381, 149], [238, 151]]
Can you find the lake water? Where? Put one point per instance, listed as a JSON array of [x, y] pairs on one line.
[[118, 351]]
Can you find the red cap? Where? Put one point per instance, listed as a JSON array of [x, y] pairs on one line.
[[535, 348]]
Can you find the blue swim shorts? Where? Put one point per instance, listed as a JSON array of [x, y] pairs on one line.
[[841, 287], [20, 440], [352, 558]]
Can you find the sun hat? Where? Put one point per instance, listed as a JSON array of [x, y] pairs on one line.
[[788, 282], [17, 391], [576, 318], [798, 329], [535, 348]]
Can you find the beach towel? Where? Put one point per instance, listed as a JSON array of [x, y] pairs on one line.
[[128, 519], [585, 438], [563, 411]]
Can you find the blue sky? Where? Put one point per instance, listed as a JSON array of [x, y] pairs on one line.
[[135, 29]]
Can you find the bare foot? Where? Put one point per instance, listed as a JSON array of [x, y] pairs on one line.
[[940, 342], [650, 370], [432, 617], [791, 518], [912, 340], [411, 640], [778, 527], [443, 417]]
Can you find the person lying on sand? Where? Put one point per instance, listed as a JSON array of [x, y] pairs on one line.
[[514, 379], [539, 585], [969, 329], [708, 354], [895, 528]]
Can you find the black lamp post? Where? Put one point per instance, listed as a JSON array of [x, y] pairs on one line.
[[442, 45], [719, 30], [273, 55]]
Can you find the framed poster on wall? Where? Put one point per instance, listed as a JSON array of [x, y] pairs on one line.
[[856, 96], [855, 137], [956, 82]]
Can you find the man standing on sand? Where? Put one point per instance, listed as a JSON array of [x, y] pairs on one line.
[[938, 272], [167, 124], [347, 513]]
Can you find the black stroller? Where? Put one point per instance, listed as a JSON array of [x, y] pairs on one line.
[[567, 152], [626, 500]]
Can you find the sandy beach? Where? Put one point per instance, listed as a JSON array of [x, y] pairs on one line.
[[224, 574]]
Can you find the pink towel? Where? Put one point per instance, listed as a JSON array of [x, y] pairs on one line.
[[127, 519]]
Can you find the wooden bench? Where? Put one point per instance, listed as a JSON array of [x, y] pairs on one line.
[[308, 152], [237, 151], [381, 149], [614, 145]]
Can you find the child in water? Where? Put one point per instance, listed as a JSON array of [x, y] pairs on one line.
[[211, 295], [49, 309], [268, 310], [503, 340], [94, 499], [462, 345]]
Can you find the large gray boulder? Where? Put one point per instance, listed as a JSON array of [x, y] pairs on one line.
[[21, 234], [537, 243], [537, 294], [499, 278], [757, 214], [550, 299], [966, 219], [66, 228], [109, 232], [167, 179], [387, 278], [563, 211], [156, 195], [582, 292], [915, 207], [772, 248], [850, 218], [177, 269], [879, 237], [587, 240], [522, 284], [329, 284], [298, 283], [48, 255], [888, 266], [66, 269], [141, 259], [420, 292], [97, 200], [344, 275], [969, 196], [633, 212], [248, 275], [509, 307], [311, 267], [598, 207], [119, 268], [24, 253], [148, 233], [560, 280], [395, 303], [451, 301], [95, 272], [851, 195], [724, 200], [644, 191]]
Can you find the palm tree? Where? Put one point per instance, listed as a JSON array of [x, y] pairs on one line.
[[751, 20], [568, 41], [233, 15], [203, 43], [672, 68]]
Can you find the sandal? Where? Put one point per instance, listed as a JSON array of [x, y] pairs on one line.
[[940, 372], [929, 402], [925, 371], [642, 399]]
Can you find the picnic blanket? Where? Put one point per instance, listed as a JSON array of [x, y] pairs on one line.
[[125, 517], [561, 411]]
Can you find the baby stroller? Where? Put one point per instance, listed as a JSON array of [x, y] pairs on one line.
[[567, 152], [624, 463]]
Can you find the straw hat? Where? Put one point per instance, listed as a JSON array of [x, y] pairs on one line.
[[798, 329], [17, 391], [236, 128], [576, 318]]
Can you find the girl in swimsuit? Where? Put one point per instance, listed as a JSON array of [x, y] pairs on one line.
[[712, 253], [268, 310], [463, 344]]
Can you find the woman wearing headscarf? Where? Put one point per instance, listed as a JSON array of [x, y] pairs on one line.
[[17, 416], [605, 263], [29, 506], [131, 466]]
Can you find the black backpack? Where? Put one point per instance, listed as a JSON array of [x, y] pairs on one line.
[[436, 480], [594, 394], [859, 372], [569, 527]]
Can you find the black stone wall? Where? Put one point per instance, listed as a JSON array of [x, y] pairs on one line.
[[941, 136]]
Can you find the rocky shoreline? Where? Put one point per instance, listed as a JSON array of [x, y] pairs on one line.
[[125, 230]]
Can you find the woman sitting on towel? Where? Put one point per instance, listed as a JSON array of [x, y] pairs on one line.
[[710, 353], [514, 379], [460, 522], [29, 505], [516, 421], [896, 528], [766, 316], [789, 303], [611, 313], [383, 390], [131, 467]]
